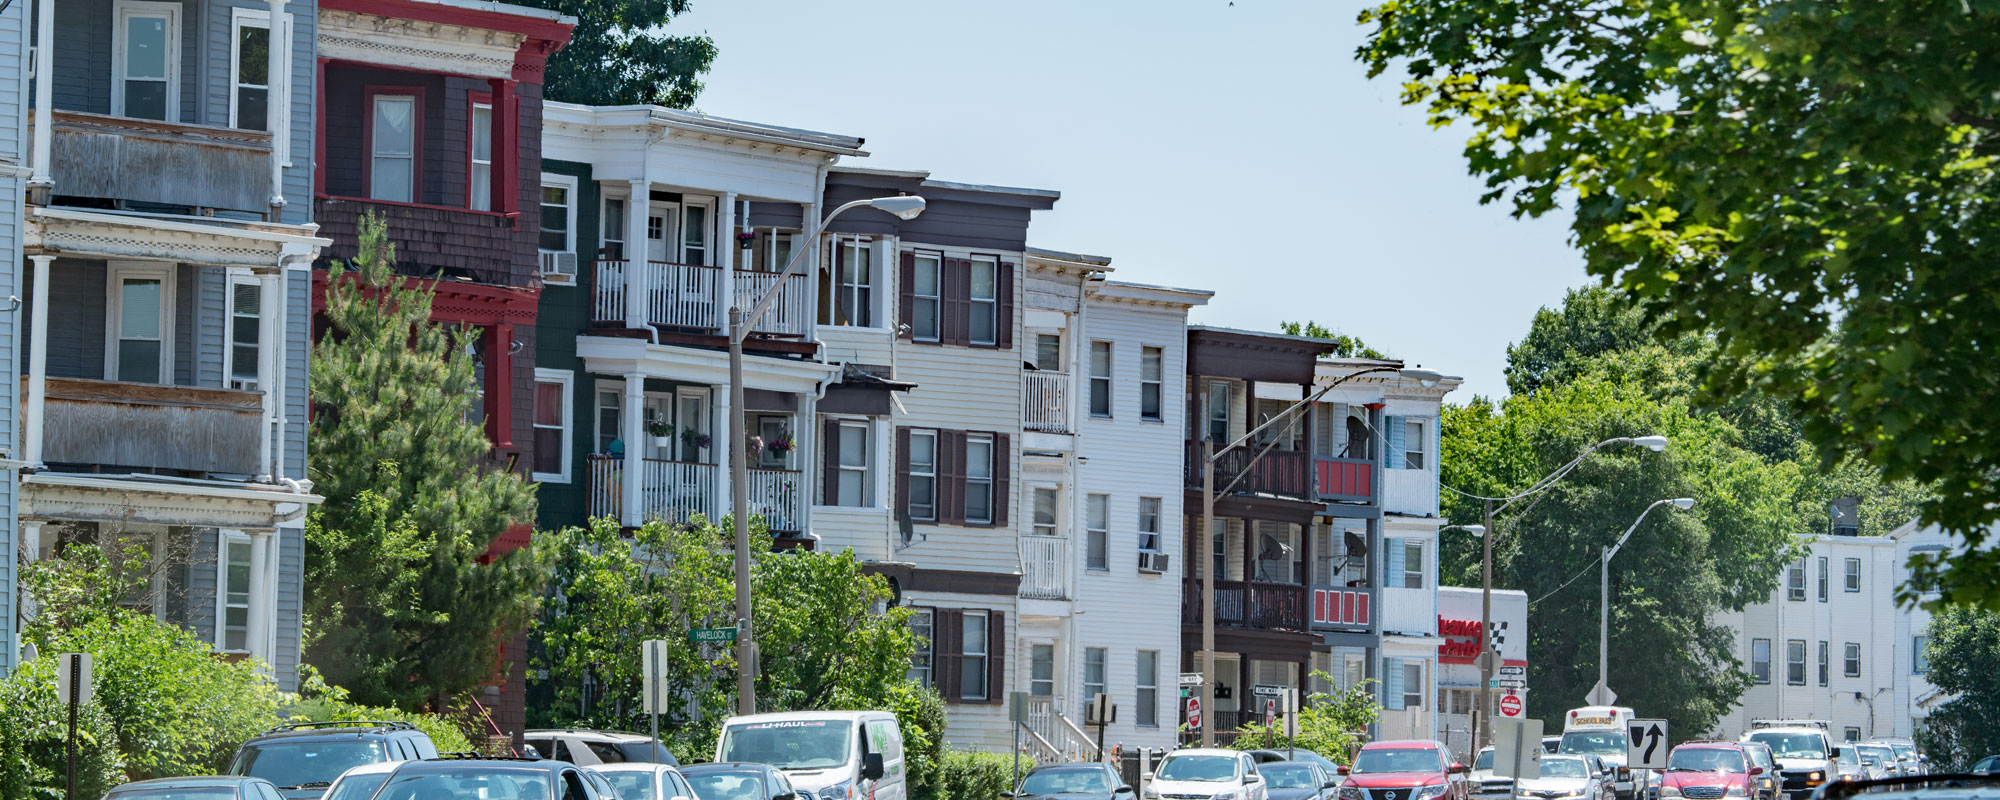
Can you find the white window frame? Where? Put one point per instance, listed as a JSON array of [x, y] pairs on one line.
[[1054, 526], [1765, 677], [1214, 412], [126, 9], [710, 246], [240, 18], [416, 146], [1413, 567], [932, 475], [1146, 689], [569, 184], [1155, 383], [1822, 579], [862, 469], [989, 306], [599, 444], [935, 299], [1104, 379], [1414, 695], [567, 416], [605, 219], [852, 291], [992, 458], [1919, 662], [1151, 540], [473, 200], [1850, 661], [923, 662], [238, 278], [222, 604], [1795, 647], [1824, 649], [116, 273], [967, 655], [1851, 575], [1099, 659], [1414, 453], [1097, 531], [1795, 580]]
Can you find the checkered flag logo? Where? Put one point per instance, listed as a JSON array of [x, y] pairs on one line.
[[1499, 635]]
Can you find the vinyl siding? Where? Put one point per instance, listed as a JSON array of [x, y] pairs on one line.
[[291, 579], [979, 725], [562, 315], [13, 117], [204, 561]]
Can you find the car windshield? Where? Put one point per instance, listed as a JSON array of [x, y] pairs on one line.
[[1792, 745], [632, 785], [1552, 746], [734, 785], [1067, 781], [1213, 769], [1706, 759], [1484, 759], [1402, 759], [195, 793], [1564, 768], [1903, 750], [1849, 757], [1596, 743], [790, 744], [1293, 777], [1873, 754], [356, 787], [469, 783], [304, 764]]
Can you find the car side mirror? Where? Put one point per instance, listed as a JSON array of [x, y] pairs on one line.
[[872, 767], [1253, 778], [1342, 769], [1330, 785], [1122, 790], [1459, 769], [1756, 770]]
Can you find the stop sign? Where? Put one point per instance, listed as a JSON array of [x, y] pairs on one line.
[[1510, 706]]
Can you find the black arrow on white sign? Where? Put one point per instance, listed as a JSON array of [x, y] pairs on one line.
[[1647, 745]]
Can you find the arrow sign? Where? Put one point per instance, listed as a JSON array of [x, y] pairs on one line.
[[1646, 745]]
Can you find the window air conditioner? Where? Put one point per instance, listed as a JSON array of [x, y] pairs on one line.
[[559, 269], [1152, 562]]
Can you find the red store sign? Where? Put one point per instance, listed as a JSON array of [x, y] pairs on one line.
[[1461, 640]]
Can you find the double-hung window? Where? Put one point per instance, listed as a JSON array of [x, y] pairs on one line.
[[250, 70], [1822, 579], [1149, 525], [392, 147], [694, 232], [984, 324], [141, 310], [925, 299], [1218, 413], [921, 622], [1760, 661], [853, 464], [479, 183], [1047, 499], [1822, 663], [145, 60], [855, 289], [1042, 670], [1048, 352], [1920, 661], [1854, 575], [1795, 662], [1413, 683], [1414, 442], [613, 218], [233, 634], [609, 429], [923, 475], [1097, 531], [972, 657], [1795, 581], [1413, 564], [245, 301], [979, 479], [1150, 359], [1146, 683], [558, 213], [552, 430], [1851, 666], [1093, 677], [1100, 379]]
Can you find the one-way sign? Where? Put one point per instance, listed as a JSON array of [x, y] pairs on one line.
[[1646, 747]]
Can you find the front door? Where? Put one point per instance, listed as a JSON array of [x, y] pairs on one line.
[[691, 416], [660, 232]]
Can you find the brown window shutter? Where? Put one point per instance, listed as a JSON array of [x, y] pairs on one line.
[[902, 501], [830, 464], [996, 657], [960, 300], [1003, 453], [951, 319], [906, 295], [957, 476], [1003, 293], [949, 651]]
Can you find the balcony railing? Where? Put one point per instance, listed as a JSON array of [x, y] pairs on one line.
[[1340, 607], [672, 491], [1346, 479], [146, 426], [1282, 473], [778, 496], [140, 160], [787, 314], [1045, 401], [1045, 567], [1249, 604], [689, 297]]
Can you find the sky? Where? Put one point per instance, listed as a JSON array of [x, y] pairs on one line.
[[1239, 149]]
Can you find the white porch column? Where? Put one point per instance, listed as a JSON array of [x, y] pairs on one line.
[[805, 428], [261, 597], [269, 299], [42, 179], [725, 255], [727, 437], [637, 250], [633, 422], [278, 118], [38, 361], [31, 539]]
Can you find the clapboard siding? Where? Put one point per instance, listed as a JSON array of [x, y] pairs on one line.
[[84, 40], [979, 726], [211, 297], [14, 21], [291, 580], [298, 344], [204, 563], [76, 338]]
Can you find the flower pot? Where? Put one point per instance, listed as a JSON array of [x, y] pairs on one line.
[[663, 441]]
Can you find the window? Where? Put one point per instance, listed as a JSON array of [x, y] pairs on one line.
[[479, 183], [775, 428], [985, 310], [1097, 531], [1218, 413], [1795, 662], [1042, 670], [146, 60], [1853, 733], [1822, 663], [777, 251], [552, 436], [392, 148], [979, 479], [1795, 581], [1822, 579], [1413, 564], [694, 234], [972, 659], [1919, 660], [141, 346], [1854, 575], [853, 464], [1760, 661], [855, 289], [1100, 379], [609, 400], [1414, 441], [1147, 683], [233, 635], [1048, 352], [1413, 683], [250, 70], [1149, 524], [558, 213], [926, 302], [245, 301], [921, 621], [923, 475], [1149, 383], [1218, 535], [1851, 665], [612, 243], [1093, 675], [1046, 499]]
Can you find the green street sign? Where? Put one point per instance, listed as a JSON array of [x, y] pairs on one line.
[[712, 635]]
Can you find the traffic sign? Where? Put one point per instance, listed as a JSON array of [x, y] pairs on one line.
[[1194, 713], [1513, 671], [1270, 709], [1508, 683], [1517, 749], [1600, 695], [712, 635], [653, 689], [1191, 679], [1268, 690], [1646, 744], [1511, 705], [73, 683]]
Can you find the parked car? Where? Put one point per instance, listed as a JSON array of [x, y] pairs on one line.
[[478, 778], [738, 781], [1299, 754], [634, 780], [1298, 780], [1095, 781], [1484, 784], [1908, 760], [1564, 777], [1989, 765], [1608, 776], [1806, 755], [1847, 764], [210, 787], [1768, 783], [1208, 773], [1709, 770], [360, 782], [585, 747], [303, 759], [836, 755], [1414, 769]]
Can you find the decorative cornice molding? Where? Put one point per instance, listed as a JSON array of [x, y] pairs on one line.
[[353, 36], [94, 239]]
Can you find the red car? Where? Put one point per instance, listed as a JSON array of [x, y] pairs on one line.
[[1711, 770], [1415, 769]]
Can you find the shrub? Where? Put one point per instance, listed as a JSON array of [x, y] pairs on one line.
[[319, 702], [920, 716], [975, 775], [33, 726]]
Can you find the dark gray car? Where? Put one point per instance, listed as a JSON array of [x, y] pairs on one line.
[[1298, 780], [303, 760], [209, 787], [1072, 782]]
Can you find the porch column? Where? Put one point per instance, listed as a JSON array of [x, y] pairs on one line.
[[809, 267], [805, 426], [637, 250], [277, 109], [38, 358], [725, 255], [506, 185], [261, 597], [727, 438], [269, 298], [42, 180], [500, 384], [31, 539], [633, 421]]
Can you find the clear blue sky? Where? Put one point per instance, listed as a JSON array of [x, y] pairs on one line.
[[1237, 149]]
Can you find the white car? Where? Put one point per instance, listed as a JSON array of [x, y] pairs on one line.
[[1879, 759], [1206, 774], [1563, 778], [361, 782], [635, 780], [1484, 784]]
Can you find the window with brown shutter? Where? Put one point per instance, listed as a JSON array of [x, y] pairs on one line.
[[902, 501], [829, 475], [952, 302], [1005, 336], [948, 647], [906, 295], [1002, 462], [996, 658], [951, 657]]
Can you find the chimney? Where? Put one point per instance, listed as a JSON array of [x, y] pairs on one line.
[[1844, 516]]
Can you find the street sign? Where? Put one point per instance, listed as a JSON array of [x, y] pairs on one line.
[[1513, 671], [1646, 744], [1191, 679], [1511, 705], [1268, 690], [1517, 749], [712, 635], [653, 689], [1600, 695], [1508, 683], [1017, 707], [1194, 713], [1102, 712], [73, 673]]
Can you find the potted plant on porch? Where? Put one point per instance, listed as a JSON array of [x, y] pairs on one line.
[[662, 433]]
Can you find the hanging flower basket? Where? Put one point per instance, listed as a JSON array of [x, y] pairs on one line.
[[695, 438], [781, 446], [744, 238], [662, 433]]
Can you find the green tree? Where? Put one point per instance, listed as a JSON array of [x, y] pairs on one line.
[[405, 601], [1345, 346], [1810, 179], [1964, 647], [620, 53], [1327, 723]]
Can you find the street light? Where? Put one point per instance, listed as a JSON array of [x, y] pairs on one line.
[[740, 324], [1603, 689], [1209, 454]]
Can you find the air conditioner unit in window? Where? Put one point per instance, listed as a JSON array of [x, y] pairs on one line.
[[559, 269], [1152, 562], [243, 384]]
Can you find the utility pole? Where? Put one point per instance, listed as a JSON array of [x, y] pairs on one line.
[[1480, 725], [739, 512], [1203, 554]]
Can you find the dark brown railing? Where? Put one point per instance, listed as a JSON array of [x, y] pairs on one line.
[[1283, 473], [1253, 604]]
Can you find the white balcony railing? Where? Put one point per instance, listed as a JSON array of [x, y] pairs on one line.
[[1045, 567], [1045, 404], [683, 296], [608, 291], [778, 496], [676, 491], [607, 486], [787, 314], [689, 297]]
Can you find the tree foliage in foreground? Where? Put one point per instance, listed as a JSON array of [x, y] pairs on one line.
[[1327, 723], [1812, 180], [404, 602], [1964, 647], [621, 54]]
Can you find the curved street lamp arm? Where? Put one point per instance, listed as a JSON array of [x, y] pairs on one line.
[[749, 320], [1552, 478], [1613, 549], [1294, 407]]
